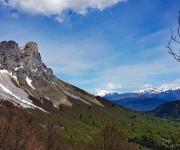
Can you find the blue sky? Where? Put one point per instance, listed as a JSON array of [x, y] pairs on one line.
[[106, 45]]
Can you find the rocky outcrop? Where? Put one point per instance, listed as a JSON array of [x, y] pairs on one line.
[[25, 67], [26, 59], [30, 48], [9, 45]]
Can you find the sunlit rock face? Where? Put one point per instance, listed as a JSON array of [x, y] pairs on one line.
[[25, 72]]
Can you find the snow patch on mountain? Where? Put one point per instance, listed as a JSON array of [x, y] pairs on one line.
[[103, 93], [29, 82], [15, 78], [157, 90], [21, 67], [150, 90], [10, 92]]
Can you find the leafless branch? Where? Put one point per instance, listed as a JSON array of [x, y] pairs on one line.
[[175, 39]]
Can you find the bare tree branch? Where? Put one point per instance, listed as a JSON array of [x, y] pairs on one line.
[[175, 39]]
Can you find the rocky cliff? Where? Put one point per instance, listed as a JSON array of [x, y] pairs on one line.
[[27, 82]]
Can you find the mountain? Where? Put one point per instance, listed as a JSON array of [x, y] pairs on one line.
[[31, 97], [170, 110], [145, 100], [27, 82]]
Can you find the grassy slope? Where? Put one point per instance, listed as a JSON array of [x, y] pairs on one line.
[[76, 123]]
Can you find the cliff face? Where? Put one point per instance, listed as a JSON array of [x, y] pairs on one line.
[[24, 71], [26, 59]]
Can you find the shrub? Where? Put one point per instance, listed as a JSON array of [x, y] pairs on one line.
[[110, 139]]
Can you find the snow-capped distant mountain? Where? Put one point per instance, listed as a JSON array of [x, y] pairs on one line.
[[150, 90], [144, 100], [157, 90], [103, 93]]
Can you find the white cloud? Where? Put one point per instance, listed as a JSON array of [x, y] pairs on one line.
[[136, 74], [75, 57], [147, 85], [102, 93], [170, 85], [175, 84], [61, 18], [112, 86], [58, 7]]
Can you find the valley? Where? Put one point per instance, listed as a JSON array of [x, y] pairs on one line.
[[67, 115]]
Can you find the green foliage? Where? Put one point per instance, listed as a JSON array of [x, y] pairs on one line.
[[140, 128]]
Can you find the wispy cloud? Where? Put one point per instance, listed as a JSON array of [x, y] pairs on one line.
[[146, 86], [171, 84], [14, 15], [175, 84], [113, 86], [77, 56], [135, 75], [157, 37]]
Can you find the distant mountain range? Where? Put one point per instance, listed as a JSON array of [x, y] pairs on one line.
[[145, 100]]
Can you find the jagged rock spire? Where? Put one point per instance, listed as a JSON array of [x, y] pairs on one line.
[[30, 48], [25, 60], [8, 45]]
